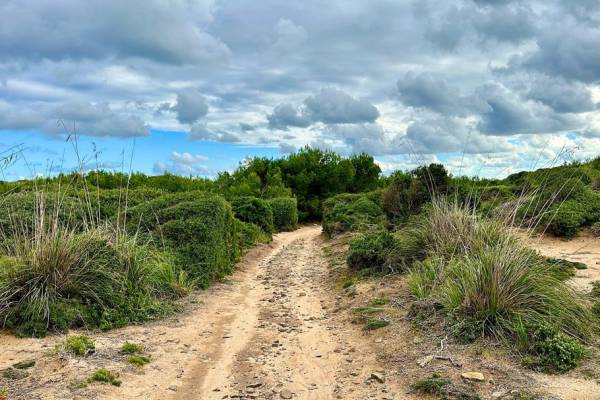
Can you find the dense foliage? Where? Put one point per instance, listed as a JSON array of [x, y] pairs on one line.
[[255, 211], [198, 227], [346, 212], [285, 213]]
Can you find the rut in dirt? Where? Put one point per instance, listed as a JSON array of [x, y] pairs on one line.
[[292, 346]]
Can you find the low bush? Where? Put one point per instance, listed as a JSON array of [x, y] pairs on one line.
[[435, 385], [79, 345], [285, 213], [199, 228], [548, 350], [20, 212], [249, 235], [255, 211], [131, 348], [369, 251], [384, 252], [351, 212], [138, 360], [103, 375]]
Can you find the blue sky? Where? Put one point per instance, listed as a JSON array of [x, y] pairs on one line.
[[487, 86], [159, 152]]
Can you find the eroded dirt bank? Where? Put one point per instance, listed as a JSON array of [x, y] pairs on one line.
[[270, 332]]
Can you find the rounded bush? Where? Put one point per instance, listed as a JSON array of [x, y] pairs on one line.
[[255, 211], [347, 212], [285, 213], [199, 227]]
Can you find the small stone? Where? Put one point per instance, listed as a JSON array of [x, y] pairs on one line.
[[173, 388], [254, 385], [286, 394], [473, 376], [422, 362], [377, 377]]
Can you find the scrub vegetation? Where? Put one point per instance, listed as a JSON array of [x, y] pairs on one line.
[[101, 250]]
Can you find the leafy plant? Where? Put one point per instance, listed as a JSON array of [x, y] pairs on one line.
[[80, 345], [285, 213]]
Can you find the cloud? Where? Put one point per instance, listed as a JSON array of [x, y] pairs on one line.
[[507, 114], [286, 115], [81, 117], [183, 164], [200, 131], [560, 95], [329, 106], [191, 106], [289, 36], [100, 29], [422, 90], [333, 106]]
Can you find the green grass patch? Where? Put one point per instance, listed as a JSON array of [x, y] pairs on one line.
[[131, 348], [434, 385], [80, 345], [103, 375], [138, 360]]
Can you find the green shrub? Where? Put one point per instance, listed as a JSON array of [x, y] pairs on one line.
[[566, 219], [374, 323], [20, 212], [563, 269], [596, 309], [80, 345], [131, 348], [351, 212], [369, 251], [249, 235], [57, 278], [550, 351], [255, 211], [103, 375], [478, 270], [199, 228], [435, 385], [138, 360], [285, 213]]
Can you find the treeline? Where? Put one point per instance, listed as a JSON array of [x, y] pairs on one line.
[[310, 175]]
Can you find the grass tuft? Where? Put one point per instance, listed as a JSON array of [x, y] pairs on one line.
[[138, 360], [79, 345], [131, 348], [103, 375]]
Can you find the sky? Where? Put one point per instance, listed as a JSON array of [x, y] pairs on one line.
[[192, 87]]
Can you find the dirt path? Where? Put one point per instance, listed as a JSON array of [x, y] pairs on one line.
[[269, 333], [584, 248]]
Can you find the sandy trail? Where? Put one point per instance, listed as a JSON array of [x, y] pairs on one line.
[[584, 248], [271, 332]]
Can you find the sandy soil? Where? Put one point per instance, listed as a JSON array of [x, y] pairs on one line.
[[584, 248], [270, 332]]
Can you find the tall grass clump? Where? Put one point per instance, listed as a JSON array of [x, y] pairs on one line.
[[57, 275], [485, 279]]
